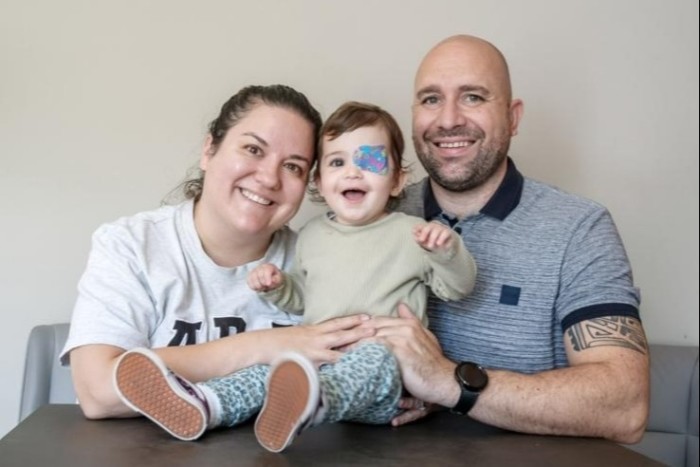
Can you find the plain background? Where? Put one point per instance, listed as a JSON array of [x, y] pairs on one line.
[[104, 106]]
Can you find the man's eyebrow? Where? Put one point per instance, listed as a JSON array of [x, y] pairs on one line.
[[475, 88], [427, 90], [432, 89]]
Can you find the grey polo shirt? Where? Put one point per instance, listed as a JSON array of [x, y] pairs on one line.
[[546, 260]]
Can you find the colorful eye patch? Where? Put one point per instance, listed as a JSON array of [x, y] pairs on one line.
[[372, 159]]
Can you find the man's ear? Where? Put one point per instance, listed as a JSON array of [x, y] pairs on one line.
[[401, 179], [208, 151], [516, 113]]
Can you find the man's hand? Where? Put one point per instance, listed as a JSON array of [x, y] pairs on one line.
[[265, 277], [427, 374], [414, 409]]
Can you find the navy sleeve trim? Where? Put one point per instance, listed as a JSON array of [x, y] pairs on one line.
[[599, 311]]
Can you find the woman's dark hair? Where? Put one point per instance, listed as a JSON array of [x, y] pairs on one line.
[[238, 106]]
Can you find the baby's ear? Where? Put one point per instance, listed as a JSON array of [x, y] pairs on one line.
[[399, 182], [316, 179]]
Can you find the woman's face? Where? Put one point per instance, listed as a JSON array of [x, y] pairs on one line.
[[255, 180]]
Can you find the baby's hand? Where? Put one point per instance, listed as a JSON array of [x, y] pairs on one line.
[[265, 277], [433, 236]]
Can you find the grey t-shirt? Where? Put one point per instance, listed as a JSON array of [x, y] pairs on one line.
[[149, 283]]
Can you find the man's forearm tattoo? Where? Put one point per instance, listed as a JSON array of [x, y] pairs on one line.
[[616, 331]]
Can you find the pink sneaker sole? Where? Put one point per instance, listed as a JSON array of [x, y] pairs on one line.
[[292, 395], [145, 385]]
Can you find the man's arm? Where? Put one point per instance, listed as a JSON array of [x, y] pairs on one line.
[[604, 393]]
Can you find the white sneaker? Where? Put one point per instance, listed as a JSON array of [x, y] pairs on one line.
[[146, 385], [291, 403]]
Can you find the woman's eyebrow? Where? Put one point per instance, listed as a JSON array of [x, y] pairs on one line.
[[256, 137]]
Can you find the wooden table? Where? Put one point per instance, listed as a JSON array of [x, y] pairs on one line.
[[59, 435]]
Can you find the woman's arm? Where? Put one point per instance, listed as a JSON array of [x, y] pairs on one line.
[[92, 365]]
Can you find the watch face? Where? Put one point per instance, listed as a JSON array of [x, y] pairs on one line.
[[473, 377]]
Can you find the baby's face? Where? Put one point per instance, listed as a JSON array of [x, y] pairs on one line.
[[357, 175]]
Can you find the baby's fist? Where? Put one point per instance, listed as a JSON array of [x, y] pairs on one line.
[[265, 277], [433, 236]]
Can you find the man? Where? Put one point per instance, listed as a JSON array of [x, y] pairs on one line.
[[550, 341]]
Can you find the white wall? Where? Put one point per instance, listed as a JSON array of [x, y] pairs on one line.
[[103, 106]]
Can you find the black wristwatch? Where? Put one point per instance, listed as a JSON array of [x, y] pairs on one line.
[[472, 379]]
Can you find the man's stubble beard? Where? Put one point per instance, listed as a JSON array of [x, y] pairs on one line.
[[460, 176]]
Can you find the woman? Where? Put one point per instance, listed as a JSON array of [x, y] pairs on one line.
[[174, 279]]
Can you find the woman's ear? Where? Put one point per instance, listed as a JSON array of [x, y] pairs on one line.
[[400, 181], [208, 151]]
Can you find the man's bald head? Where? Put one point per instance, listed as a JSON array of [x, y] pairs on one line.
[[464, 115], [469, 53]]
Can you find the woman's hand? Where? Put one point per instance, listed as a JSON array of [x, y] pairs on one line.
[[320, 343]]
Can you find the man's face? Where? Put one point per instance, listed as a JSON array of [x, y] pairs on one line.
[[463, 117]]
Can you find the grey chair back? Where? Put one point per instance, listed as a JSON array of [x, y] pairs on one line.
[[45, 380], [672, 431]]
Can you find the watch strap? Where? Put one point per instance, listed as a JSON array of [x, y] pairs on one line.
[[467, 399], [472, 379]]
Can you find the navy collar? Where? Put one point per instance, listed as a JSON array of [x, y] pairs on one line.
[[502, 203]]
